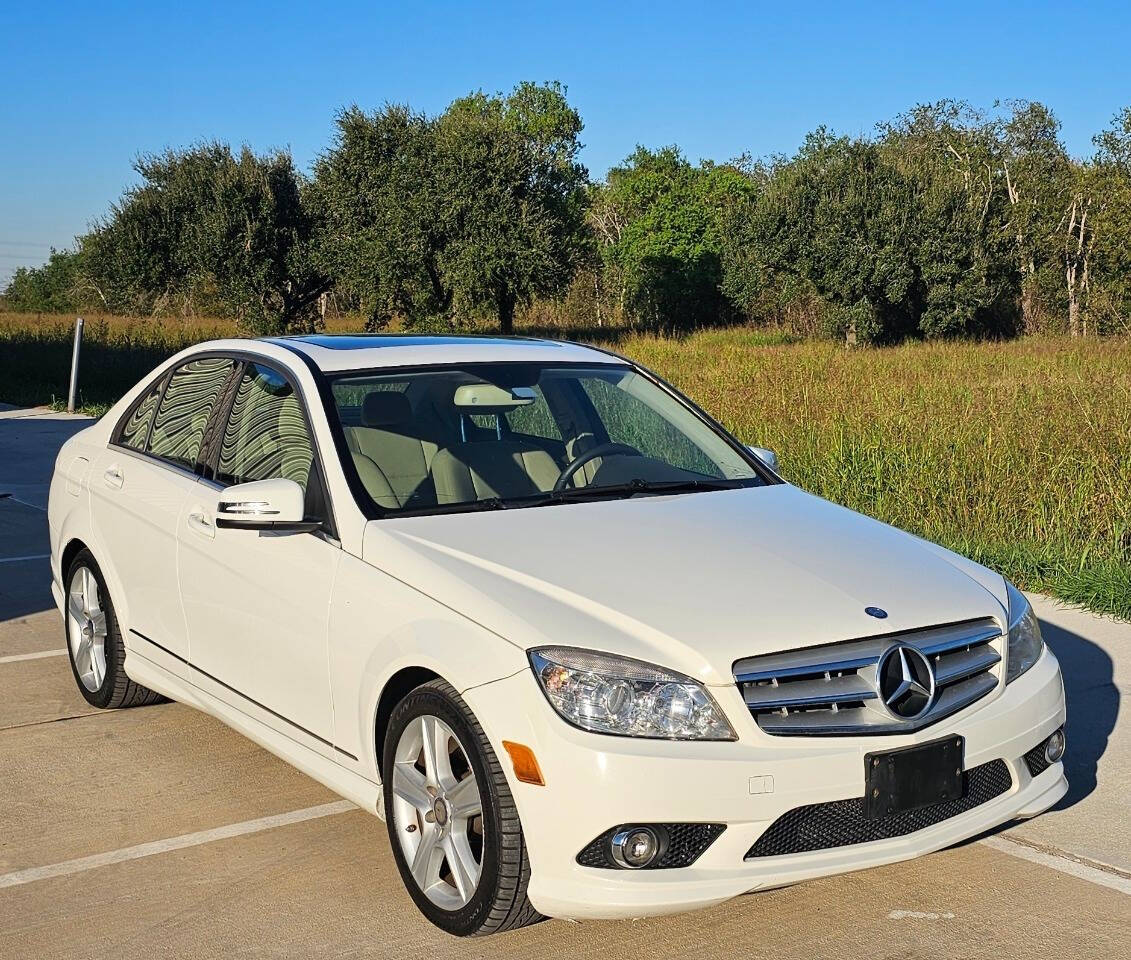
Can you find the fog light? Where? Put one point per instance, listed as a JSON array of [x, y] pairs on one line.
[[1054, 747], [635, 847]]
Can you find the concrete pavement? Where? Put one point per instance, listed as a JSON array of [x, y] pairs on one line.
[[1093, 821], [79, 783]]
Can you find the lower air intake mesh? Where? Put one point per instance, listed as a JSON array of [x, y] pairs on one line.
[[840, 823], [1035, 759], [685, 843]]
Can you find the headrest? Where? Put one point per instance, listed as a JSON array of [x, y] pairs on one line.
[[385, 408]]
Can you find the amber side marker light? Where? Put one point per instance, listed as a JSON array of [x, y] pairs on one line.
[[525, 763]]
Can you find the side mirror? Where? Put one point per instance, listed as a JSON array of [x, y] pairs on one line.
[[768, 457], [264, 505]]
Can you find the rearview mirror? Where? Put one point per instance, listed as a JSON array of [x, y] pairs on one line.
[[768, 457], [472, 396], [264, 505]]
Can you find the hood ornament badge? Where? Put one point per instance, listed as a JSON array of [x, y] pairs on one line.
[[877, 612]]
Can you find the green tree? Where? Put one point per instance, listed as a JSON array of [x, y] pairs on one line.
[[1038, 176], [377, 206], [658, 221], [950, 154], [512, 198], [837, 224], [209, 230], [55, 287], [476, 211], [1108, 183]]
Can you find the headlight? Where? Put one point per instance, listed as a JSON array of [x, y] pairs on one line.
[[1025, 640], [618, 695]]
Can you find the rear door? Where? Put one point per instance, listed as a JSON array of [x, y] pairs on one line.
[[257, 603], [139, 486]]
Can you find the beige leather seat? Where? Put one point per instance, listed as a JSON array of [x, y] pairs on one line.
[[387, 438], [375, 482], [492, 468]]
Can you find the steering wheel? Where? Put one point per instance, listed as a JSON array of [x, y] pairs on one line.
[[601, 450]]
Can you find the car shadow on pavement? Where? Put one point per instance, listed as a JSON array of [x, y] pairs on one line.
[[1092, 702], [29, 442]]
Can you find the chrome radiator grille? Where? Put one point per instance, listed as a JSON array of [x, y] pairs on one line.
[[835, 689]]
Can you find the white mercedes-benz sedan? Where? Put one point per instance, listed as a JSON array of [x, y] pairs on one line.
[[585, 653]]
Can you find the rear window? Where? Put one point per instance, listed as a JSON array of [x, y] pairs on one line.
[[178, 427]]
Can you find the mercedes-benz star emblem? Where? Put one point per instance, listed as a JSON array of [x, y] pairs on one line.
[[906, 681]]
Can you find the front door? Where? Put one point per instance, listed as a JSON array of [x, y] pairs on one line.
[[257, 603]]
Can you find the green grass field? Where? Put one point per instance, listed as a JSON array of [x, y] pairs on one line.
[[1016, 454]]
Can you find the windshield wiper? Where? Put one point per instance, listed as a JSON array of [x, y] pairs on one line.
[[616, 491], [637, 486], [467, 506]]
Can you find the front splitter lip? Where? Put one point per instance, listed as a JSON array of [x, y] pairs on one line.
[[657, 893]]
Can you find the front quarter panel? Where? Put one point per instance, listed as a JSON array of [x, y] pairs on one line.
[[380, 626]]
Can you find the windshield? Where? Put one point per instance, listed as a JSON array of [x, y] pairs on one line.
[[493, 436]]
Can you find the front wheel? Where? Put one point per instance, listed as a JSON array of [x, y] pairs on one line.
[[452, 821]]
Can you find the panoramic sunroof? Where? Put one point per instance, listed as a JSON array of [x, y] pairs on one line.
[[368, 341]]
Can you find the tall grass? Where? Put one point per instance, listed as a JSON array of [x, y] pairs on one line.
[[35, 353], [1016, 454]]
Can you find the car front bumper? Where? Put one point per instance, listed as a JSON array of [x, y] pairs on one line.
[[594, 782]]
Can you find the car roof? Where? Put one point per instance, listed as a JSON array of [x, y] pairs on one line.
[[337, 352]]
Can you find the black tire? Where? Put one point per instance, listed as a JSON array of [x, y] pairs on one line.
[[499, 902], [116, 689]]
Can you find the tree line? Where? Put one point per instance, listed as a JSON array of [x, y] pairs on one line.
[[949, 221]]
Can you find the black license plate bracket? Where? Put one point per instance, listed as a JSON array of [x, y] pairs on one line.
[[909, 778]]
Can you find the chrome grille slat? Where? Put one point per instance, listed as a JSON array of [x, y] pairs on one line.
[[854, 720], [850, 655], [965, 663], [833, 689], [847, 689], [955, 643], [961, 694]]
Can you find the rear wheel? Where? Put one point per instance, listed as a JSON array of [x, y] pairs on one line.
[[94, 640], [452, 821]]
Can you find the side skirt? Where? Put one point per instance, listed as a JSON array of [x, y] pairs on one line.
[[345, 783]]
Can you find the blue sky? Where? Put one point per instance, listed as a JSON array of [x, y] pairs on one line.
[[85, 87]]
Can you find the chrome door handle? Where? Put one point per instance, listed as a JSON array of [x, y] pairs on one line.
[[199, 523], [113, 478]]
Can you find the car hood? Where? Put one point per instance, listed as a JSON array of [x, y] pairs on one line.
[[692, 582]]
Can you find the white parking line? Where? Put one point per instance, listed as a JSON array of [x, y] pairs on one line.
[[34, 506], [82, 864], [919, 915], [1113, 880], [17, 657], [37, 556]]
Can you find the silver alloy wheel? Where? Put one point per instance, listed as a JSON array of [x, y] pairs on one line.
[[86, 628], [438, 812]]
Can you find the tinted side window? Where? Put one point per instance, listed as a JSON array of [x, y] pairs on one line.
[[135, 431], [178, 428], [266, 435]]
